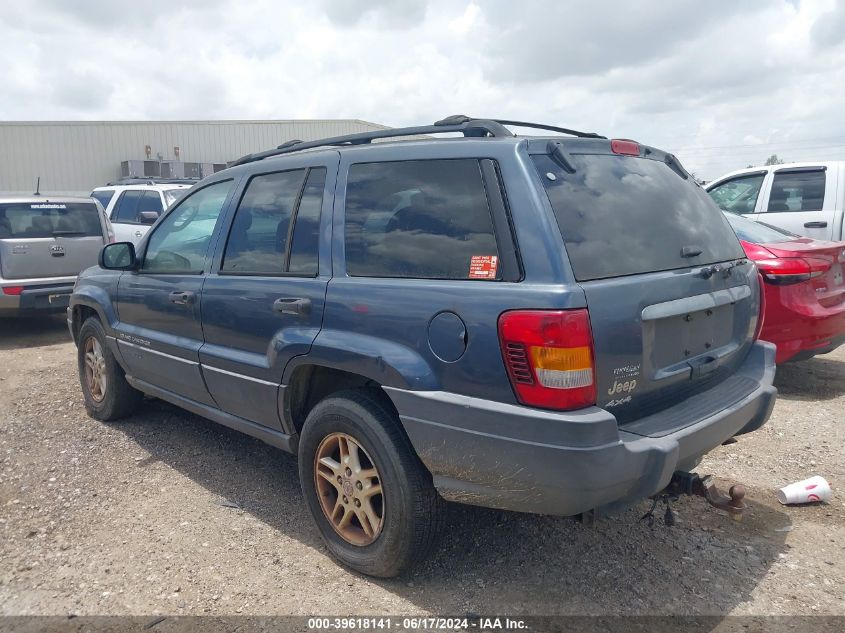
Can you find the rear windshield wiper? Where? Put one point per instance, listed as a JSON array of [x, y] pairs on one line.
[[60, 233]]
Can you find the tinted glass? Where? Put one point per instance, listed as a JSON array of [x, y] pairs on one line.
[[757, 232], [306, 232], [797, 191], [422, 218], [623, 216], [172, 195], [126, 208], [103, 197], [150, 201], [259, 233], [49, 219], [180, 243], [738, 195]]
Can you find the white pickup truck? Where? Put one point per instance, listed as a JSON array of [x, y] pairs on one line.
[[803, 198]]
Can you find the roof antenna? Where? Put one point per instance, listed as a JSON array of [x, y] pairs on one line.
[[37, 187]]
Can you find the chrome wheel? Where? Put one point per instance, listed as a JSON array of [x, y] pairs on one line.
[[95, 369], [349, 488]]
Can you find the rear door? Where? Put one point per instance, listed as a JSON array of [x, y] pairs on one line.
[[802, 200], [49, 238], [263, 303], [642, 242], [159, 332]]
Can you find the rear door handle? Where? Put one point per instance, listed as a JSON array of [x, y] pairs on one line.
[[182, 297], [292, 305], [815, 225]]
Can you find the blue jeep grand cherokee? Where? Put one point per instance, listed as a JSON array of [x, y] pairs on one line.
[[551, 325]]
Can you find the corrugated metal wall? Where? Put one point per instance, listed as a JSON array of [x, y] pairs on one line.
[[72, 157]]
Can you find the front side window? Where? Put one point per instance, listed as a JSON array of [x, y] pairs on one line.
[[738, 195], [150, 201], [797, 191], [258, 238], [103, 197], [126, 207], [427, 219], [180, 243]]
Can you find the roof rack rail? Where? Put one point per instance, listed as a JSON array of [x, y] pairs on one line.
[[130, 180], [551, 128], [468, 126]]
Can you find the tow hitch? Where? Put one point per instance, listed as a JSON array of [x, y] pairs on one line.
[[683, 483]]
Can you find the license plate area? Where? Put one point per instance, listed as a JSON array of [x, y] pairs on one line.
[[680, 338]]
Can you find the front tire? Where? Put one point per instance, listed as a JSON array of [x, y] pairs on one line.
[[371, 497], [107, 394]]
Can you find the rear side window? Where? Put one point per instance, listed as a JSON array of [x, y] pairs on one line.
[[797, 191], [738, 195], [422, 219], [126, 208], [259, 233], [620, 215], [49, 219], [103, 197], [304, 248]]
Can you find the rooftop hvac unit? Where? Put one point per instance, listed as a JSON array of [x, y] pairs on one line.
[[140, 169], [172, 169], [192, 170]]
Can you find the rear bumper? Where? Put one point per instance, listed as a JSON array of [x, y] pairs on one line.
[[802, 330], [517, 458], [38, 299]]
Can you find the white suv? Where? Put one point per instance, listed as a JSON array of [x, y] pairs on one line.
[[803, 198], [133, 206]]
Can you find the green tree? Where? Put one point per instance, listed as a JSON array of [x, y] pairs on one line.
[[773, 160]]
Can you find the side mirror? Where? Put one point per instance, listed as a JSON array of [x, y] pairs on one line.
[[118, 256], [148, 217]]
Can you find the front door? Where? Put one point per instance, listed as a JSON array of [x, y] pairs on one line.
[[262, 303], [160, 333]]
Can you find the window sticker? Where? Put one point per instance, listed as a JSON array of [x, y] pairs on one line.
[[48, 206], [483, 266]]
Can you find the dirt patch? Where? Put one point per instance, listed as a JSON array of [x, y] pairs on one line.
[[167, 513]]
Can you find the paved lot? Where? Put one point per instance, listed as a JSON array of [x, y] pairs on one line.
[[168, 513]]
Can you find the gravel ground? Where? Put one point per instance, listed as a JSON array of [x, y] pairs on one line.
[[166, 513]]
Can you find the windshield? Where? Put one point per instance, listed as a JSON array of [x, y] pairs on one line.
[[172, 195], [620, 215], [758, 232], [49, 219]]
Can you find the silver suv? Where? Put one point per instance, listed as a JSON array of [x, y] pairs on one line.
[[44, 243]]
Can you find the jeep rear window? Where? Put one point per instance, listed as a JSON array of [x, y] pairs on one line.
[[620, 215], [49, 219]]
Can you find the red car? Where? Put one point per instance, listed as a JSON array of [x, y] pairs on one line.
[[804, 288]]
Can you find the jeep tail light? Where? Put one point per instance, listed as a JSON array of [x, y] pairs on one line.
[[13, 290], [784, 271], [762, 316], [549, 357]]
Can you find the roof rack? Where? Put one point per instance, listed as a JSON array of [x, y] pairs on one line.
[[153, 181], [457, 123]]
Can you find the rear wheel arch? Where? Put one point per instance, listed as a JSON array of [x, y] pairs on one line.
[[311, 384]]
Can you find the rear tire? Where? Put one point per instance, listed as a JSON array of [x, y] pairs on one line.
[[107, 394], [397, 530]]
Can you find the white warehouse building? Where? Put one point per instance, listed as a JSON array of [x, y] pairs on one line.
[[73, 157]]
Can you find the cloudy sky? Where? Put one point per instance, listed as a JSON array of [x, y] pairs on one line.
[[722, 84]]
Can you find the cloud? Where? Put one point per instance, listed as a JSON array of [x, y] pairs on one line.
[[721, 84]]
